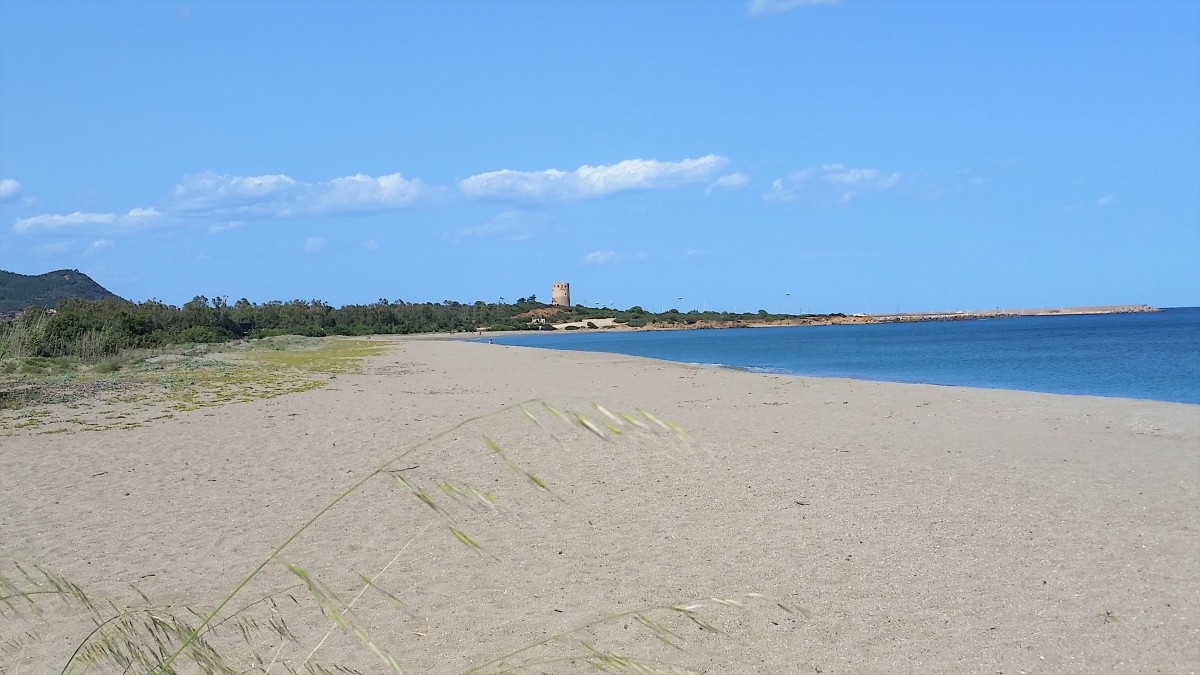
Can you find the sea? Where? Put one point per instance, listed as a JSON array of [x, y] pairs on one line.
[[1153, 355]]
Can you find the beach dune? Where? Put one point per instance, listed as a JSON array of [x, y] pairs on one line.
[[901, 528]]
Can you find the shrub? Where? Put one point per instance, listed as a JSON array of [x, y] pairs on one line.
[[109, 365], [199, 335]]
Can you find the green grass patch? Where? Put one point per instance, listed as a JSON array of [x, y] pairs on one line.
[[331, 355], [109, 365], [159, 385]]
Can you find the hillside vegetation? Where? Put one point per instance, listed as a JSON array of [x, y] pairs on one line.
[[91, 323], [18, 291]]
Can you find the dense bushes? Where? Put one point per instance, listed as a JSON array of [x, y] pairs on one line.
[[94, 329]]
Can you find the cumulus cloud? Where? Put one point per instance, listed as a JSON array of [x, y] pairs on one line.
[[213, 195], [361, 193], [590, 182], [599, 257], [733, 181], [10, 189], [845, 183], [765, 7], [226, 201], [135, 219]]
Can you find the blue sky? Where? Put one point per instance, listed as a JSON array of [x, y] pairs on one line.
[[782, 154]]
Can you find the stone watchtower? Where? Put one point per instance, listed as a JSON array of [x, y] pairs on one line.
[[561, 294]]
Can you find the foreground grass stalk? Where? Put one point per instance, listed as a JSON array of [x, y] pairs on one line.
[[633, 613], [361, 592], [149, 640], [164, 668], [603, 660]]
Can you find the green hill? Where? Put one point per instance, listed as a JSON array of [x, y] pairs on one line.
[[18, 291]]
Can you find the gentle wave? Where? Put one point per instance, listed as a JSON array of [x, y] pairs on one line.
[[769, 370]]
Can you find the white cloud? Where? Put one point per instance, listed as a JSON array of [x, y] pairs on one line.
[[211, 195], [10, 189], [217, 228], [98, 245], [74, 247], [599, 257], [509, 225], [371, 244], [733, 181], [135, 219], [228, 200], [1105, 200], [858, 180], [844, 182], [362, 194], [788, 188], [765, 7], [590, 182], [314, 244], [53, 222]]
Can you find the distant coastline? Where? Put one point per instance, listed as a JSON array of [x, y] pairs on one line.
[[852, 319], [966, 315]]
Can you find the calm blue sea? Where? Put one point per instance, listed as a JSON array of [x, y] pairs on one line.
[[1150, 356]]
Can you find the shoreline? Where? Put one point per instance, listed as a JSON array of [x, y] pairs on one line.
[[914, 528], [1069, 383]]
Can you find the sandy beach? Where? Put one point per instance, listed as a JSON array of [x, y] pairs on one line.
[[907, 528]]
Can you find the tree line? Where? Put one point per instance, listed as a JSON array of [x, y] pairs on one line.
[[94, 329]]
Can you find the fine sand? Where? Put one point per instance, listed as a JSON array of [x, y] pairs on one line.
[[913, 529]]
